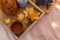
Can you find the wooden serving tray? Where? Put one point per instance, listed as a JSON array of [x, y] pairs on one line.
[[28, 28]]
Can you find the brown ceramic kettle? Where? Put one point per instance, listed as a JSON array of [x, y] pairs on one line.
[[9, 6]]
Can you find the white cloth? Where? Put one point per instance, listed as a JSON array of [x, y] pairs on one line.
[[5, 34], [48, 28]]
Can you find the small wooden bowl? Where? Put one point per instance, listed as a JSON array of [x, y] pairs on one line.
[[17, 27]]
